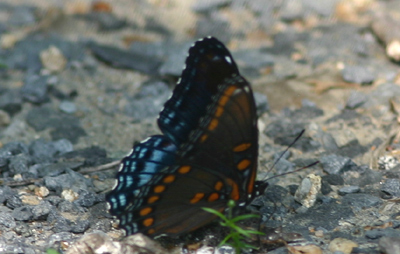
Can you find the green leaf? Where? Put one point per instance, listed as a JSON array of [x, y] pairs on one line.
[[237, 236], [52, 251]]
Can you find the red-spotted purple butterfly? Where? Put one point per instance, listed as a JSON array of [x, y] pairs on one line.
[[206, 156]]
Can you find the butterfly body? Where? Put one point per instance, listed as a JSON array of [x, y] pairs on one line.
[[206, 156]]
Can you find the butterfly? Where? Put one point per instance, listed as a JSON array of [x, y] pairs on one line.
[[206, 156]]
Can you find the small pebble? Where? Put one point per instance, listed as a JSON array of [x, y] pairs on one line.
[[307, 192], [69, 195], [53, 59], [343, 245], [348, 189], [67, 107], [387, 162]]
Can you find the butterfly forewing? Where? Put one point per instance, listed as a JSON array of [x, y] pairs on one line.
[[208, 153], [209, 63], [226, 140]]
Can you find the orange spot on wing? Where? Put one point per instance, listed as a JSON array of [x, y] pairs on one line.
[[159, 188], [250, 185], [184, 169], [243, 164], [152, 199], [197, 197], [169, 179], [224, 99], [145, 211], [227, 94], [242, 147], [213, 124], [218, 186], [203, 138], [148, 222], [214, 196], [235, 189], [151, 231], [219, 111]]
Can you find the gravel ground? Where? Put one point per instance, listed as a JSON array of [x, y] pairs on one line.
[[81, 81]]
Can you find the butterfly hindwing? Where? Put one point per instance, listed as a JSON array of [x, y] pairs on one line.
[[171, 202], [146, 159]]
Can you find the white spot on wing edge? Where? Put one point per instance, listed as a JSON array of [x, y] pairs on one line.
[[115, 184], [121, 166], [228, 59]]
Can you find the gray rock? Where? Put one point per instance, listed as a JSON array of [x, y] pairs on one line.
[[348, 189], [19, 164], [356, 99], [205, 6], [35, 89], [358, 74], [7, 220], [361, 201], [11, 101], [390, 245], [41, 211], [22, 213], [390, 188], [5, 193], [70, 207], [335, 164], [333, 179], [22, 229], [124, 59], [70, 180], [42, 151], [13, 201], [63, 126], [328, 142], [87, 199], [80, 226]]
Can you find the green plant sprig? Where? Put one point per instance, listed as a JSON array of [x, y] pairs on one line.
[[237, 235]]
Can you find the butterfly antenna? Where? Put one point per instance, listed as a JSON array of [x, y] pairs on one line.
[[285, 151], [299, 169], [287, 148]]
